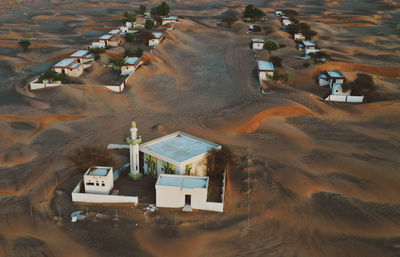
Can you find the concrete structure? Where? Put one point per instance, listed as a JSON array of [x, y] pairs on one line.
[[69, 67], [169, 19], [257, 43], [131, 64], [156, 39], [99, 44], [99, 180], [35, 84], [83, 57], [299, 36], [134, 142], [308, 47], [265, 70], [286, 21], [177, 153], [112, 40], [279, 13]]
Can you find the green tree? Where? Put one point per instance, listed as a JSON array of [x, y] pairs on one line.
[[52, 76], [292, 29], [219, 160], [282, 76], [252, 12], [162, 10], [141, 10], [24, 44], [304, 26], [271, 45], [276, 61], [134, 53], [115, 63], [149, 24], [97, 51], [128, 17], [309, 34], [130, 37], [83, 157], [362, 85]]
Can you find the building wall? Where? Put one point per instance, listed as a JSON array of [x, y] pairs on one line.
[[101, 198], [309, 50], [323, 82], [264, 74], [258, 46], [113, 43], [100, 44], [98, 187], [74, 72], [174, 197], [154, 42], [128, 69], [299, 37]]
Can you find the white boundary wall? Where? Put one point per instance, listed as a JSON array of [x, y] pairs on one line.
[[34, 85], [215, 206], [345, 99], [99, 198]]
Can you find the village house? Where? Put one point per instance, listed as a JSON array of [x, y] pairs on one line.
[[131, 64], [299, 36], [257, 43], [98, 44], [279, 13], [286, 21], [99, 180], [169, 19], [111, 40], [308, 47], [69, 67], [156, 39], [265, 70], [83, 57], [333, 79]]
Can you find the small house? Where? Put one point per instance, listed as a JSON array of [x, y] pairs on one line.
[[84, 57], [131, 64], [279, 13], [111, 40], [333, 79], [129, 24], [265, 70], [169, 19], [99, 44], [286, 21], [156, 39], [257, 43], [178, 191], [177, 153], [99, 180], [308, 47], [299, 37], [115, 32], [69, 67]]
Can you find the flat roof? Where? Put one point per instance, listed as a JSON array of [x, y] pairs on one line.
[[257, 40], [179, 146], [98, 171], [157, 34], [114, 31], [335, 74], [64, 63], [265, 65], [105, 37], [170, 18], [308, 43], [80, 53], [182, 181], [131, 60], [75, 65]]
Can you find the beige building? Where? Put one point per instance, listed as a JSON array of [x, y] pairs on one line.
[[99, 180], [69, 67]]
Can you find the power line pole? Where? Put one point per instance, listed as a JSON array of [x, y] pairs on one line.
[[248, 187]]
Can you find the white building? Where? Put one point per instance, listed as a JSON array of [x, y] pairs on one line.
[[257, 43], [69, 67], [156, 39], [308, 47], [177, 153], [279, 13], [178, 191], [299, 36], [99, 44], [131, 64], [169, 19], [333, 79], [111, 40], [265, 70], [286, 21], [83, 57], [99, 180]]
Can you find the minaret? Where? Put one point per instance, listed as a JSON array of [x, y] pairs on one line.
[[134, 142]]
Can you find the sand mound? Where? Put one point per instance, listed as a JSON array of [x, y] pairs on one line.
[[285, 111], [17, 154], [30, 246], [384, 71]]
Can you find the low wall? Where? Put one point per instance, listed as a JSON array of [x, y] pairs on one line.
[[345, 99], [99, 198], [215, 206], [34, 85]]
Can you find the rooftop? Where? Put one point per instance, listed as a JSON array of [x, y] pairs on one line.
[[80, 53], [98, 171], [308, 43], [179, 146], [265, 66], [257, 40], [105, 37], [170, 18], [64, 63], [157, 34], [131, 60], [114, 31], [75, 65], [335, 74], [188, 182]]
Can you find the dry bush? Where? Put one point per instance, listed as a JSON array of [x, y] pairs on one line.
[[83, 157]]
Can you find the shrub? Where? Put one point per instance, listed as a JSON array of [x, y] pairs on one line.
[[96, 52], [219, 160], [252, 12], [115, 63], [362, 85], [24, 44], [83, 157], [309, 34], [130, 37], [52, 76], [134, 53], [128, 17], [162, 10], [276, 61], [149, 24], [282, 76], [141, 10], [230, 20], [271, 45]]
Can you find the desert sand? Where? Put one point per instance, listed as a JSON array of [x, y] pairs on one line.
[[324, 177]]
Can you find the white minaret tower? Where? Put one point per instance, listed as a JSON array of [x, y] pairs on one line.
[[134, 142]]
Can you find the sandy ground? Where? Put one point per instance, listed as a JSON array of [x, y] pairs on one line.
[[324, 177]]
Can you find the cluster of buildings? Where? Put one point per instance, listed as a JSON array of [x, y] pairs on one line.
[[178, 160], [335, 80]]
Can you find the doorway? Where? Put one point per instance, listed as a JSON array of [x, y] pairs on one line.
[[188, 200]]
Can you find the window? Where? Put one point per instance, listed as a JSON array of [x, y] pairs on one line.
[[103, 184], [90, 184], [97, 183]]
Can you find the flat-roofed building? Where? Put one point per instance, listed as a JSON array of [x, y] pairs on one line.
[[177, 153], [257, 43], [112, 40], [169, 19], [265, 70], [177, 191], [69, 67], [308, 47], [84, 57], [299, 36], [99, 180], [335, 81], [131, 64], [156, 39]]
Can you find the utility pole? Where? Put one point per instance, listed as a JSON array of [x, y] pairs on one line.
[[206, 221], [248, 187]]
